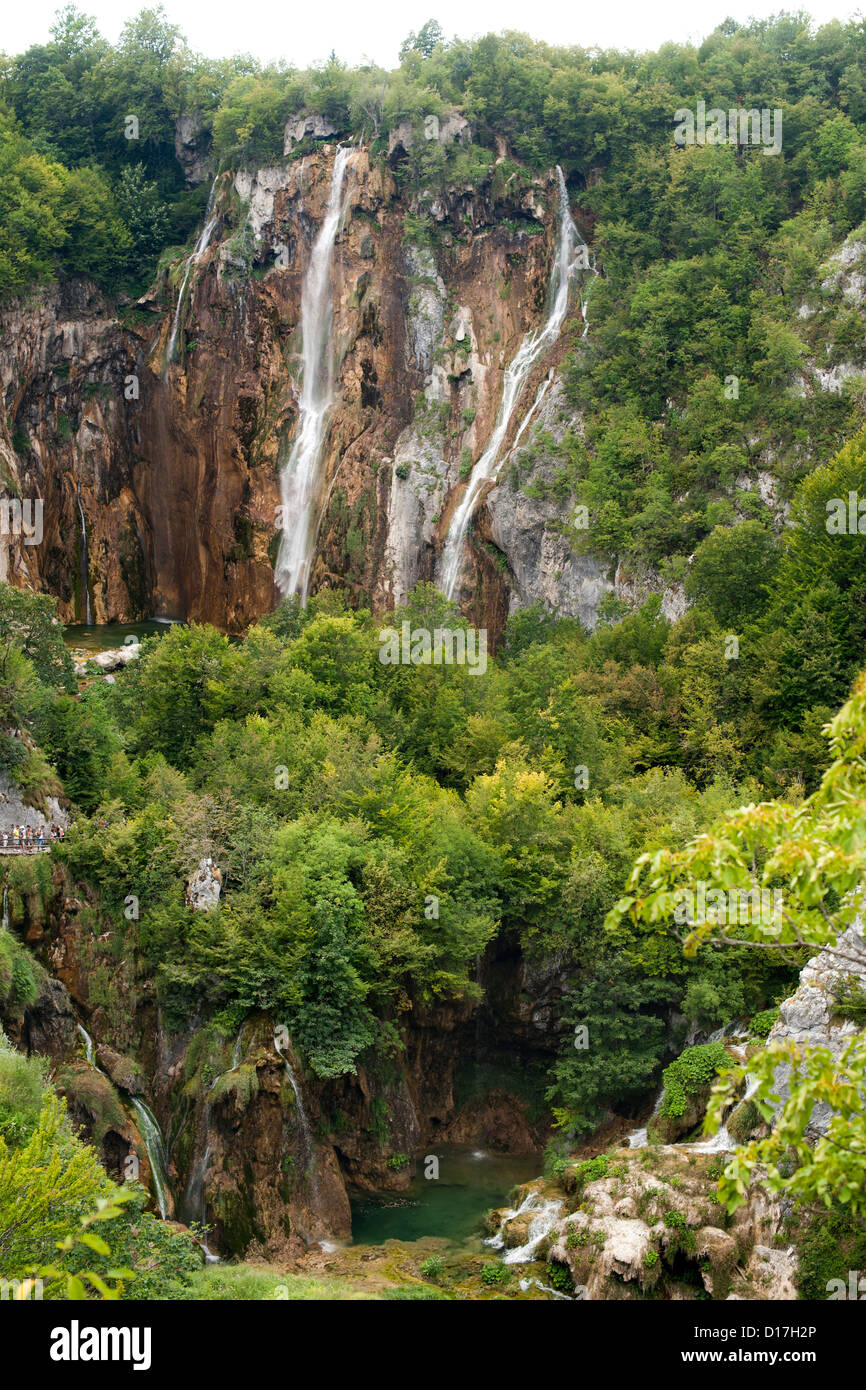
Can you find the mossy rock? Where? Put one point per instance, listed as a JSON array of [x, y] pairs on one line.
[[668, 1129], [744, 1120], [125, 1072]]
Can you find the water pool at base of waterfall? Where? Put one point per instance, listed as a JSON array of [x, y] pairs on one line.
[[103, 637], [452, 1206]]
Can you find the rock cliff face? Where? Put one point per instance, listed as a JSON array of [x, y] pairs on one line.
[[810, 1016], [159, 478]]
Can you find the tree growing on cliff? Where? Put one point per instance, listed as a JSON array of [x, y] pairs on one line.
[[808, 860], [29, 625]]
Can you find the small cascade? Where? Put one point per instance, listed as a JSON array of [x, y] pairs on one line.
[[566, 262], [194, 1199], [200, 247], [738, 1029], [546, 1211], [156, 1155], [149, 1129], [299, 477], [237, 1054], [584, 302], [722, 1141], [539, 397], [88, 1045], [639, 1138], [536, 1283], [85, 560], [308, 1146], [5, 923]]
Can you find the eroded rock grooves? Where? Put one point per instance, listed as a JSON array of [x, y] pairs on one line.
[[157, 435]]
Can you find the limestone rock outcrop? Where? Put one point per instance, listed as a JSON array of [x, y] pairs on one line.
[[652, 1225], [811, 1015], [204, 887], [307, 126]]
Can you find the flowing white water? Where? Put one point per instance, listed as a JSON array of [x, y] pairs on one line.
[[722, 1141], [200, 248], [638, 1138], [533, 345], [584, 302], [149, 1129], [303, 1125], [5, 904], [237, 1053], [300, 475], [156, 1155], [545, 1213], [88, 1045], [528, 1284], [194, 1198], [85, 563]]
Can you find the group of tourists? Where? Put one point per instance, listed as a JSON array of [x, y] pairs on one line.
[[31, 838]]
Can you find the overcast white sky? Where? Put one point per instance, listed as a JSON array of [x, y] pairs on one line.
[[305, 32]]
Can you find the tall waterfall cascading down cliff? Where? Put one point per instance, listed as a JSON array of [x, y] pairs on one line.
[[300, 474], [84, 562], [200, 247], [567, 260], [308, 1147]]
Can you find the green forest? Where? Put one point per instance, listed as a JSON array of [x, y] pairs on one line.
[[379, 828]]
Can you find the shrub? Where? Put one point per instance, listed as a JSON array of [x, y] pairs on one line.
[[432, 1268], [690, 1074], [21, 1086], [761, 1023], [831, 1245], [851, 1000], [19, 976], [590, 1170], [559, 1277]]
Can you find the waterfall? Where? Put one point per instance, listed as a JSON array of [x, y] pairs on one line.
[[722, 1141], [533, 345], [545, 1211], [300, 474], [194, 1199], [85, 563], [309, 1151], [149, 1129], [88, 1045], [155, 1149], [529, 1283], [200, 247], [237, 1052], [6, 903], [639, 1138]]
